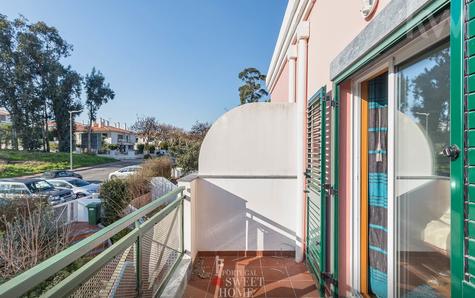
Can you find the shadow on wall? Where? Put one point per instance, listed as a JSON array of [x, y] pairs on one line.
[[226, 222]]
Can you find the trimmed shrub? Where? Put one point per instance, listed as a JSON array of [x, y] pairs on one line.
[[115, 197], [117, 194], [112, 147], [164, 145], [151, 148], [140, 148]]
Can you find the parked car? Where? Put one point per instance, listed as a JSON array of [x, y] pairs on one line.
[[79, 187], [60, 174], [124, 172], [34, 187]]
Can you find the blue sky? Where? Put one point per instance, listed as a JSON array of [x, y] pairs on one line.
[[177, 60]]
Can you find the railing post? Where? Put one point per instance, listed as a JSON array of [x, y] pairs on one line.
[[138, 260], [71, 212], [182, 224]]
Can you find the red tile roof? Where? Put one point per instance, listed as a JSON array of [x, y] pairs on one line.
[[102, 129], [96, 128]]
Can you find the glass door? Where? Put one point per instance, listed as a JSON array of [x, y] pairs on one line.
[[423, 175]]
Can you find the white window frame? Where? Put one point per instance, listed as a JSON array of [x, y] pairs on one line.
[[425, 41]]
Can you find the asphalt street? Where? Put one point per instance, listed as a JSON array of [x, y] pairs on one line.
[[101, 172]]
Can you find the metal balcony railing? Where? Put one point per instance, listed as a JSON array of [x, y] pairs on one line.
[[138, 265]]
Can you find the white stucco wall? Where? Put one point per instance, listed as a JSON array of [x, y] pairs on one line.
[[245, 193], [253, 139], [246, 214]]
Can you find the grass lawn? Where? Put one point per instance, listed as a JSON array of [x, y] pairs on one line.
[[21, 163]]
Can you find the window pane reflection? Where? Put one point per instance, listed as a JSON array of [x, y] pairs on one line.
[[423, 185]]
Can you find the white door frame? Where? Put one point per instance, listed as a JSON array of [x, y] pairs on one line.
[[423, 42]]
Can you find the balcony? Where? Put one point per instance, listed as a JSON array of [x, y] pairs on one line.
[[231, 230], [245, 226]]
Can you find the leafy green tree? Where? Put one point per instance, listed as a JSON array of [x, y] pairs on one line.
[[66, 98], [18, 79], [49, 48], [115, 198], [98, 92], [188, 157], [32, 80], [8, 89], [186, 148], [253, 88], [140, 148]]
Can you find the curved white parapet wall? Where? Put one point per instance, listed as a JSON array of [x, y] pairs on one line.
[[252, 139], [245, 193]]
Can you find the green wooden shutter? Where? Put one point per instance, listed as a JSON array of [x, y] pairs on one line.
[[463, 136], [318, 175], [469, 151]]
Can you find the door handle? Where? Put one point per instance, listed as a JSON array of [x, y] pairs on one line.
[[451, 151]]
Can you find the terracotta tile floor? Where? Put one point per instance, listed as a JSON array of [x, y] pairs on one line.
[[249, 277]]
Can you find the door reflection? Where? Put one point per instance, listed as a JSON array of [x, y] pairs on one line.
[[423, 176]]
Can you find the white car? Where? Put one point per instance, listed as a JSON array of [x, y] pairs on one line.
[[79, 187], [124, 172]]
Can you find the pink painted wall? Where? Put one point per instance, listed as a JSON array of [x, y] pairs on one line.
[[332, 28], [345, 188], [333, 25], [281, 90]]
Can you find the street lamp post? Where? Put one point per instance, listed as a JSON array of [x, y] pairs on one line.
[[427, 119], [71, 137]]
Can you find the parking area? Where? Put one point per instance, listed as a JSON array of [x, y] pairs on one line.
[[100, 173]]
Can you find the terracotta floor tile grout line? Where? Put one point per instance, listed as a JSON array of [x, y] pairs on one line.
[[291, 284], [209, 281], [263, 278]]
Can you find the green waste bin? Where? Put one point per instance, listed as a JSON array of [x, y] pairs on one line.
[[94, 212]]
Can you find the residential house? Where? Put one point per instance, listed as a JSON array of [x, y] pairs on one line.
[[145, 141], [104, 134], [4, 116]]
